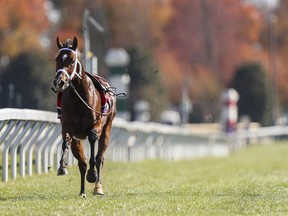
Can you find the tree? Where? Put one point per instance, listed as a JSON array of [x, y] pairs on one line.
[[207, 32], [275, 39], [208, 39], [131, 23], [23, 78], [30, 74], [251, 82], [21, 24], [146, 83]]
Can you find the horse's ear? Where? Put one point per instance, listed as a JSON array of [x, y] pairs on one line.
[[75, 43], [59, 44]]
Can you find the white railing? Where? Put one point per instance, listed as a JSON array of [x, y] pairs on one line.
[[136, 141], [28, 133], [32, 135]]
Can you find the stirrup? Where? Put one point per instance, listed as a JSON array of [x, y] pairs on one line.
[[59, 113]]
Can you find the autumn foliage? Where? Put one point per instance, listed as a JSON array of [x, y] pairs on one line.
[[21, 24], [201, 42]]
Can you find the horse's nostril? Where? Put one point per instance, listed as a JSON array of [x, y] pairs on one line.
[[61, 83], [58, 83]]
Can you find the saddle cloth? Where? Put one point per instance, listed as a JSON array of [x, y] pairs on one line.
[[102, 86]]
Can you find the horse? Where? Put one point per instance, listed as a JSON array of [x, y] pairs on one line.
[[82, 116]]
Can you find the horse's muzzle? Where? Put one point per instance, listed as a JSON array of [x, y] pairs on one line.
[[60, 83]]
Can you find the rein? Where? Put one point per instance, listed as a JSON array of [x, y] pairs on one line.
[[87, 105], [109, 90]]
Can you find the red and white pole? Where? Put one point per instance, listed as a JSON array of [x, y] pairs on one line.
[[229, 115]]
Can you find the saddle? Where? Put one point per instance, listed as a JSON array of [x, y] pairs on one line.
[[106, 92]]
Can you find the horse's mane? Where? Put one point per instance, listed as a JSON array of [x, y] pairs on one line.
[[69, 44]]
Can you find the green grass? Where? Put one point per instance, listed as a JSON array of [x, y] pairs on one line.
[[252, 181]]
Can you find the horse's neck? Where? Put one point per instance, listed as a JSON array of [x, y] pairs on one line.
[[82, 83]]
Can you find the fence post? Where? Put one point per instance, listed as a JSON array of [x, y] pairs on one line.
[[6, 149], [14, 148]]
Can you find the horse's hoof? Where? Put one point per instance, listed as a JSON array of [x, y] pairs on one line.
[[62, 171], [82, 195], [98, 190], [91, 177]]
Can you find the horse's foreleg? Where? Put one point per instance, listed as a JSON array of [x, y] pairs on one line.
[[62, 170], [78, 152], [102, 146], [91, 175]]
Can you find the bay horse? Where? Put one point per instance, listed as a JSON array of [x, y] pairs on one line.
[[81, 114]]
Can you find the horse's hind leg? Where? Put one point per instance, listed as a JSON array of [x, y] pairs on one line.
[[91, 175], [98, 190], [102, 146], [78, 152]]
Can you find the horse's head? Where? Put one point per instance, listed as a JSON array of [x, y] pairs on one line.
[[67, 64]]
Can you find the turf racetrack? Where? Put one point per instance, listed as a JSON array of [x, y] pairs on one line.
[[252, 181]]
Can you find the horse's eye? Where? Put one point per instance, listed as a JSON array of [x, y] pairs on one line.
[[57, 59], [71, 61]]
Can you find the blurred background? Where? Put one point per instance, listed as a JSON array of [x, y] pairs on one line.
[[175, 59]]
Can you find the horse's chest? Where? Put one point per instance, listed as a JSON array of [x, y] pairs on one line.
[[76, 114], [82, 120], [79, 118]]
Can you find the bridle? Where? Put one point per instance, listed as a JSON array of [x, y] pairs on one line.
[[76, 62]]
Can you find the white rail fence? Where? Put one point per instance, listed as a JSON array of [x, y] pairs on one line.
[[32, 139]]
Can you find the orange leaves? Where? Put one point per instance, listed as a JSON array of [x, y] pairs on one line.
[[159, 16], [137, 22], [213, 33], [27, 14], [21, 23], [173, 74], [252, 21]]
